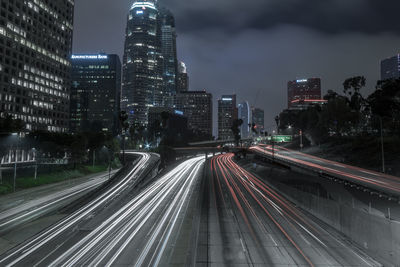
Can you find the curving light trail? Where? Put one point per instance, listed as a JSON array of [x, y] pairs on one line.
[[258, 202], [50, 234], [384, 182], [145, 224]]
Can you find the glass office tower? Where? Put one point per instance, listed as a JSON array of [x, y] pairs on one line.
[[142, 84], [95, 93], [35, 68]]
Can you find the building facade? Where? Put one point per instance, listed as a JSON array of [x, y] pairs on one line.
[[305, 89], [95, 93], [142, 84], [258, 117], [35, 49], [244, 112], [390, 68], [183, 78], [227, 114], [197, 107], [168, 44]]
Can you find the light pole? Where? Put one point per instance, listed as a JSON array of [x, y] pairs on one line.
[[273, 146], [15, 174], [109, 161], [36, 162], [15, 162], [382, 145], [94, 156], [1, 171], [301, 140]]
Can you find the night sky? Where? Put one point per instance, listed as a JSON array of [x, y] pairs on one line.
[[253, 47]]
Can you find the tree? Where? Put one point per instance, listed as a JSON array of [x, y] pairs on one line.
[[331, 95], [336, 116], [236, 130], [385, 103], [352, 87]]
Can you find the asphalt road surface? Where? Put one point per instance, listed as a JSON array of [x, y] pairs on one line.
[[27, 205], [374, 180], [250, 224], [122, 227]]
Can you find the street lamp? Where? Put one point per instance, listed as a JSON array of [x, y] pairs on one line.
[[273, 146], [301, 140], [109, 161], [382, 146], [1, 171], [15, 135], [36, 161]]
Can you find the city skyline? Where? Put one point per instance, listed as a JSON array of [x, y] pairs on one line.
[[199, 133], [284, 46]]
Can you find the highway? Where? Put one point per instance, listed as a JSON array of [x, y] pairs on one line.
[[127, 225], [27, 205], [251, 224], [370, 179]]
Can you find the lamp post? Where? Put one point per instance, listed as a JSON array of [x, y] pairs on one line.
[[36, 162], [109, 161], [382, 145], [301, 140], [94, 156], [273, 146], [15, 162], [1, 171]]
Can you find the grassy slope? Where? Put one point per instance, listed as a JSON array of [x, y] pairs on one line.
[[49, 178]]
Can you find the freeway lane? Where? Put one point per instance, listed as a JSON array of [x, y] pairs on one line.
[[250, 224], [136, 229], [46, 200], [373, 180], [32, 246]]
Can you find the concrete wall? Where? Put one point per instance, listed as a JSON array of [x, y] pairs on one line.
[[378, 235]]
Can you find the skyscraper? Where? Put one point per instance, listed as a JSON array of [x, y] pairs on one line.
[[305, 89], [390, 68], [258, 119], [183, 78], [245, 114], [142, 86], [95, 93], [197, 107], [168, 44], [227, 114], [35, 49]]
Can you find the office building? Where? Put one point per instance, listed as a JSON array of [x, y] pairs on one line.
[[304, 89], [227, 114], [258, 119], [95, 93], [244, 113], [390, 68], [197, 107], [183, 78], [142, 84], [168, 44], [35, 49]]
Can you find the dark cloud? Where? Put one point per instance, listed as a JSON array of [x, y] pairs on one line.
[[331, 16], [253, 47]]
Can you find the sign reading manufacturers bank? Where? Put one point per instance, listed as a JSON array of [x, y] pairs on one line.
[[89, 57]]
